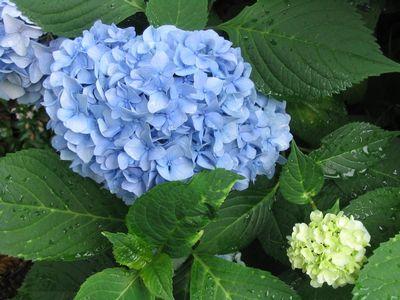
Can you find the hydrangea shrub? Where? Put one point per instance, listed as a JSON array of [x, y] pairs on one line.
[[169, 117]]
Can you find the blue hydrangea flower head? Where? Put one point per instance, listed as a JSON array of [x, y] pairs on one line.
[[23, 60], [134, 111]]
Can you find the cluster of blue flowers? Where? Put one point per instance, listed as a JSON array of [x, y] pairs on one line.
[[23, 60], [134, 111]]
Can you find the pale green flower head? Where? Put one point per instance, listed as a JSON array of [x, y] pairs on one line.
[[330, 249]]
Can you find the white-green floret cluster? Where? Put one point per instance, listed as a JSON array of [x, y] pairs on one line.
[[330, 249]]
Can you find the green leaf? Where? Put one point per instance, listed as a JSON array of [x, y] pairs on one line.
[[298, 49], [213, 186], [279, 226], [171, 215], [301, 178], [335, 209], [380, 277], [185, 14], [130, 250], [384, 173], [352, 148], [115, 283], [238, 222], [379, 211], [181, 281], [215, 278], [59, 280], [312, 119], [157, 277], [370, 10], [50, 213], [70, 18]]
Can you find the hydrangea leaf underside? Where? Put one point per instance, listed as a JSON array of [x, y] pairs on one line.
[[157, 277], [70, 18], [115, 283], [239, 221], [380, 278], [215, 278], [50, 213], [184, 14], [301, 179], [306, 49], [352, 148], [379, 211], [60, 280], [171, 215], [130, 250]]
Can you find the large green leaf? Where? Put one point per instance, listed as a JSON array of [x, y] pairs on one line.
[[70, 18], [238, 222], [380, 277], [379, 211], [215, 278], [157, 277], [172, 215], [301, 178], [312, 119], [60, 280], [130, 250], [185, 14], [352, 148], [299, 48], [384, 173], [49, 213], [114, 284]]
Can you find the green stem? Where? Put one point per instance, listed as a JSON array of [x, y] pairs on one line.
[[313, 205]]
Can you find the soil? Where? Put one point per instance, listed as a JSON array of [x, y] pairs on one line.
[[12, 274]]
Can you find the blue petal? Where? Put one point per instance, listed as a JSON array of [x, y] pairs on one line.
[[157, 101], [135, 148], [77, 123]]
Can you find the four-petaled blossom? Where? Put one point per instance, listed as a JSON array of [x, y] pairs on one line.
[[23, 60], [135, 111], [330, 249]]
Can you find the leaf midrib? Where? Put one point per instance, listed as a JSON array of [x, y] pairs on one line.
[[136, 5], [354, 149], [252, 209], [128, 286], [56, 210], [217, 280], [227, 27]]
